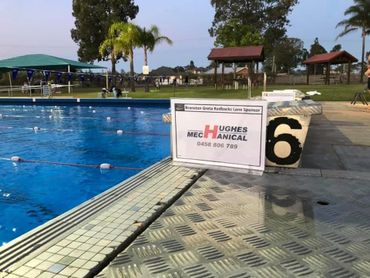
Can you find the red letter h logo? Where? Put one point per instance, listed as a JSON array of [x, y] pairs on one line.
[[213, 131]]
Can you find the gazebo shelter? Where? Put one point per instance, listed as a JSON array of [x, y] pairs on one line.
[[245, 54], [328, 59]]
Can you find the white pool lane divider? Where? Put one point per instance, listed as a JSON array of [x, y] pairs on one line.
[[122, 132], [36, 128], [102, 166]]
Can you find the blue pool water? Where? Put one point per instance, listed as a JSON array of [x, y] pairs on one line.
[[32, 193]]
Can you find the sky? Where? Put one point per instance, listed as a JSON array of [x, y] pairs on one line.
[[43, 26]]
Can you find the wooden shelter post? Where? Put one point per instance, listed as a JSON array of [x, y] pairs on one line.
[[308, 74], [223, 76], [327, 74], [11, 84], [349, 73], [216, 64]]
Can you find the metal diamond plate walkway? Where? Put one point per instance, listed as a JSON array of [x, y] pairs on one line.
[[278, 225]]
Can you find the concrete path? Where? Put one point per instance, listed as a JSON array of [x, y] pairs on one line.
[[339, 139]]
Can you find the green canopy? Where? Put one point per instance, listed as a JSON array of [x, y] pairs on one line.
[[45, 62]]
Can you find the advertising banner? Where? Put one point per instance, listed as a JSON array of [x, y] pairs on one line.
[[223, 133]]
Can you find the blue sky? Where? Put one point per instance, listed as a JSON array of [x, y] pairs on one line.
[[43, 26]]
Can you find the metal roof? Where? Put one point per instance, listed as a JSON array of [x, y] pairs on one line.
[[238, 54], [336, 57], [42, 61]]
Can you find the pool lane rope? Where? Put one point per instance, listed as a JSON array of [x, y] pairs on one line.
[[102, 166], [121, 132]]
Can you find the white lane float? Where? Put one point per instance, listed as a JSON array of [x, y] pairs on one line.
[[105, 166], [16, 158]]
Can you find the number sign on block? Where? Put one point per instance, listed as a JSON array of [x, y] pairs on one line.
[[285, 139], [219, 133]]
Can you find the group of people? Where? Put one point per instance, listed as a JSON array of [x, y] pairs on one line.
[[117, 92]]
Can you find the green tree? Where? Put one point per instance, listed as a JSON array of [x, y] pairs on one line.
[[149, 38], [126, 37], [317, 48], [337, 47], [233, 34], [106, 49], [191, 65], [289, 53], [92, 21], [359, 19], [248, 22]]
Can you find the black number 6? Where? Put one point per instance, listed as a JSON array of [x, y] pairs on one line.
[[271, 140]]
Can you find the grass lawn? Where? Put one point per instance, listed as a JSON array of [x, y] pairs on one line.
[[329, 92]]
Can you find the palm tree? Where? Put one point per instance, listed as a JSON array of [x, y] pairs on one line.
[[126, 38], [106, 49], [359, 19], [149, 39]]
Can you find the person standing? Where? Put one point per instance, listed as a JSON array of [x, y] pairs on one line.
[[367, 73]]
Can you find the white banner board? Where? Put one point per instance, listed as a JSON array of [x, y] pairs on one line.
[[283, 95], [146, 70], [223, 133]]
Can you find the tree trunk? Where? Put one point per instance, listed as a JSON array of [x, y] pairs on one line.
[[132, 72], [113, 60], [145, 56], [363, 57], [146, 64]]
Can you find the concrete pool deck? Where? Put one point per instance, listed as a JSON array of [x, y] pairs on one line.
[[307, 222]]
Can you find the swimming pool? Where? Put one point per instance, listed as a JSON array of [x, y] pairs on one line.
[[62, 147]]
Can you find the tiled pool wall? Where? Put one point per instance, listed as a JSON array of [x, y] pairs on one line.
[[86, 102]]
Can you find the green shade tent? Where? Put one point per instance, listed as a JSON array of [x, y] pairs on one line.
[[44, 62]]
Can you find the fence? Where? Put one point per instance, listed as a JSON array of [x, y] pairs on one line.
[[314, 79]]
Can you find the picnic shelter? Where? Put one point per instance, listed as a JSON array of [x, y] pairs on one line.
[[245, 54], [328, 59]]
